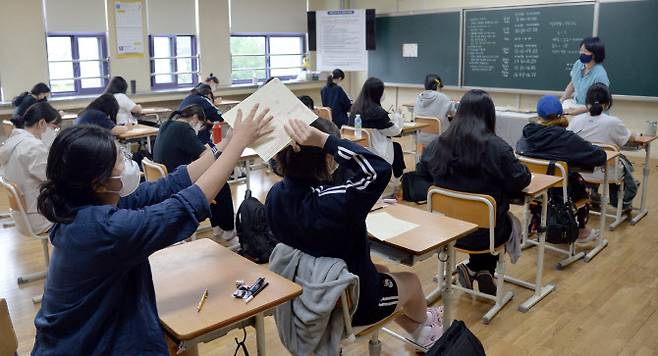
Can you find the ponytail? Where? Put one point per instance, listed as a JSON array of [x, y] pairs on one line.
[[41, 110], [52, 205], [336, 74], [598, 99]]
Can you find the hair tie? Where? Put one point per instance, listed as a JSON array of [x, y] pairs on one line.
[[597, 102], [437, 81]]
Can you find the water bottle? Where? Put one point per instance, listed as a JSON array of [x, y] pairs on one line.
[[357, 126], [652, 126], [216, 133], [254, 78]]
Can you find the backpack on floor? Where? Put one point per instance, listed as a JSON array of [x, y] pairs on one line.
[[256, 238], [561, 220], [457, 341]]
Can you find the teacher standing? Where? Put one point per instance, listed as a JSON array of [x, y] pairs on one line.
[[587, 70]]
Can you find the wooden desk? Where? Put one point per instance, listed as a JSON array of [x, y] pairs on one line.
[[643, 142], [359, 141], [435, 234], [538, 187], [155, 111], [139, 132], [182, 272], [229, 103]]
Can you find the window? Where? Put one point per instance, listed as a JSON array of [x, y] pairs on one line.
[[174, 61], [77, 63], [266, 55]]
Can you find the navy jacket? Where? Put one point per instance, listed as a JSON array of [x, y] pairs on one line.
[[212, 113], [99, 297], [559, 144], [95, 117], [330, 220], [334, 96]]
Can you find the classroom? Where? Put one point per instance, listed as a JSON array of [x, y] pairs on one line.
[[328, 177]]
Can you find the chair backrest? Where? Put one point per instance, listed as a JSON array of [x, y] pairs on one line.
[[17, 207], [434, 124], [8, 340], [479, 209], [614, 168], [323, 112], [540, 166], [153, 171], [350, 131]]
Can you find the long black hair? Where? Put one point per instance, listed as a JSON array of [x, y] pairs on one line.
[[464, 142], [369, 98], [117, 85], [433, 82], [81, 158], [188, 112], [598, 99], [41, 110], [203, 90], [336, 74], [107, 104], [37, 89]]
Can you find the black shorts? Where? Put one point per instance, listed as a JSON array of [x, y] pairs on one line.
[[388, 301]]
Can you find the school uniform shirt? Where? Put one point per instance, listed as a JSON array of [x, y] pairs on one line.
[[381, 128], [581, 83], [330, 220], [126, 105], [28, 101], [95, 117], [500, 174], [602, 129], [559, 144], [334, 96], [99, 297], [177, 144], [24, 158], [212, 113], [435, 104]]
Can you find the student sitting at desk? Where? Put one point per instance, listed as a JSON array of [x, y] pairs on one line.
[[24, 156], [323, 219], [202, 95], [127, 108], [470, 157], [22, 102], [334, 97], [432, 102], [99, 297], [598, 127], [379, 124], [176, 145], [548, 139], [102, 112]]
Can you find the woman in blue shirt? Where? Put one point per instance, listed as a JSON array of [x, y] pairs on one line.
[[99, 297], [334, 97], [102, 112], [202, 95], [587, 71]]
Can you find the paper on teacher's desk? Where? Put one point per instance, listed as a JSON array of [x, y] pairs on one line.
[[384, 226], [283, 105]]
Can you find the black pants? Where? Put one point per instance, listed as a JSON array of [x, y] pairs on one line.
[[398, 160], [483, 262], [221, 213]]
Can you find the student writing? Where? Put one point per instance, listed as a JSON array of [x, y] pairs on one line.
[[102, 112], [39, 92], [127, 108], [202, 95]]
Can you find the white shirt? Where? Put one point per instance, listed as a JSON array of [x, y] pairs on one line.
[[126, 105], [600, 129], [380, 141]]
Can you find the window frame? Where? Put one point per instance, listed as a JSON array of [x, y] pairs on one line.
[[75, 60], [172, 56], [268, 66]]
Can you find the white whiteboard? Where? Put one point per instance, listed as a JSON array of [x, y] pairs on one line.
[[341, 40]]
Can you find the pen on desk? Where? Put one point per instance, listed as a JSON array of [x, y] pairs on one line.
[[257, 291], [254, 287], [204, 296]]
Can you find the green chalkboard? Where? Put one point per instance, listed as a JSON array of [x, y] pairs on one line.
[[630, 33], [524, 48], [437, 36]]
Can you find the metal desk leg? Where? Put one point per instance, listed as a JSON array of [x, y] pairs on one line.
[[540, 290], [447, 287], [415, 147], [260, 334], [433, 296], [645, 182], [247, 174], [148, 144], [602, 242]]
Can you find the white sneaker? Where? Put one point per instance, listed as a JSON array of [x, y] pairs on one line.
[[228, 239], [428, 335]]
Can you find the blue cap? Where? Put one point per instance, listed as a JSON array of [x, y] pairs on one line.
[[549, 105]]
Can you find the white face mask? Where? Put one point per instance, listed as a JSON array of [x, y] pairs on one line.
[[129, 178], [48, 137]]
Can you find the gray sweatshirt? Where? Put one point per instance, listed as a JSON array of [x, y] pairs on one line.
[[436, 104]]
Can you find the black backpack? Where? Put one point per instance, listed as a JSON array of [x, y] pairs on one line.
[[256, 238], [562, 223], [457, 341]]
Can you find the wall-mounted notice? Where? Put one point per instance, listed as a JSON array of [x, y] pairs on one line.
[[129, 27], [410, 50], [341, 40]]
